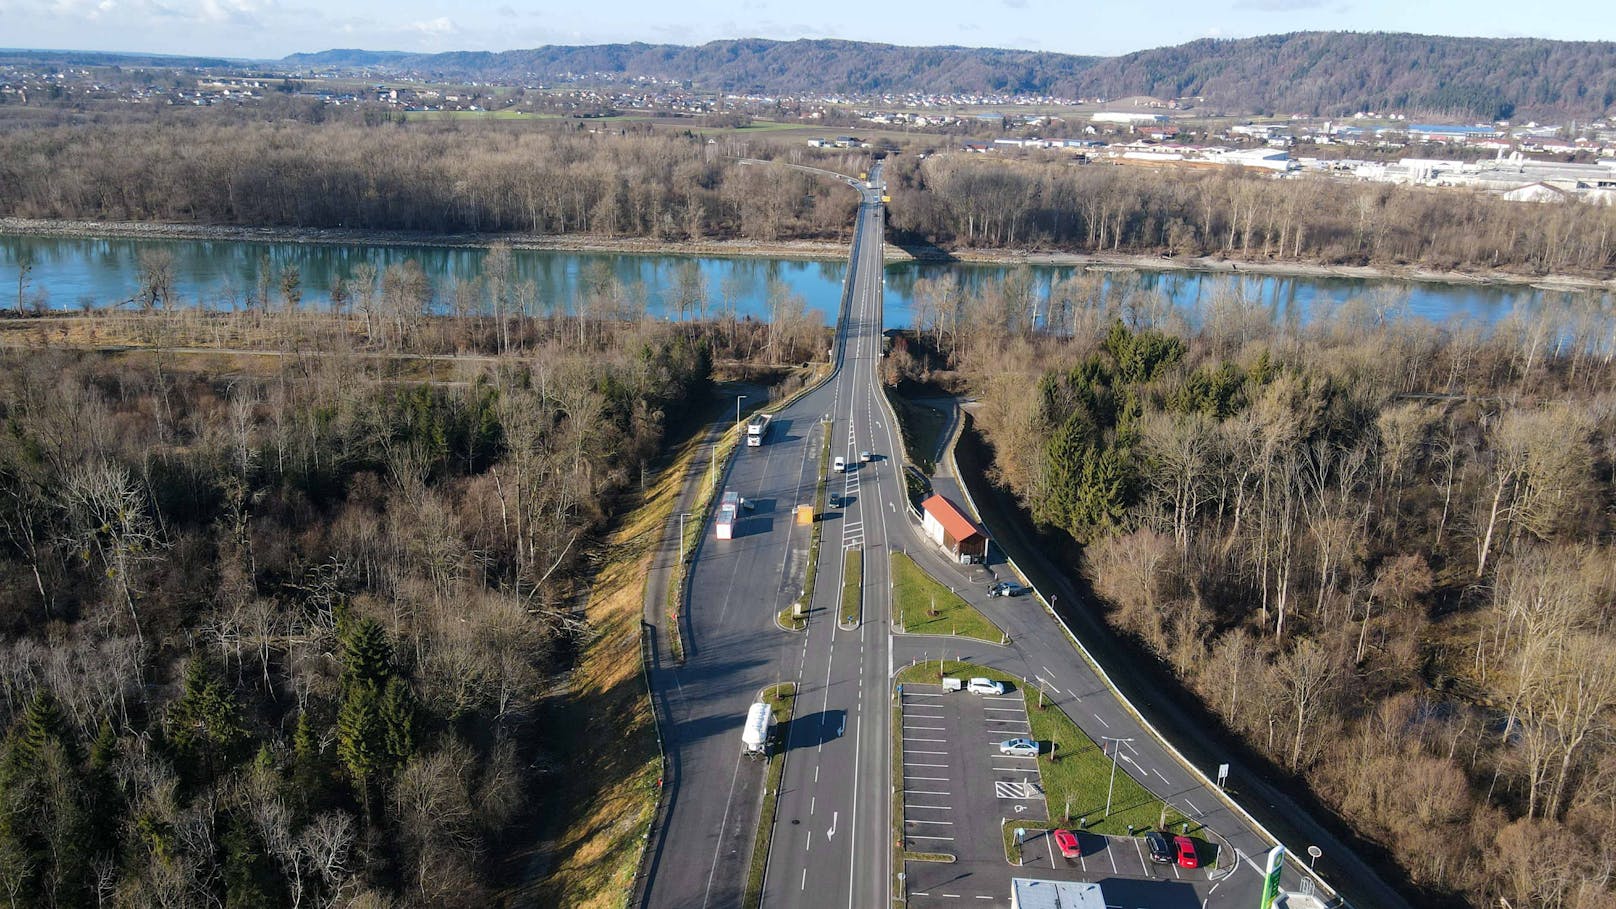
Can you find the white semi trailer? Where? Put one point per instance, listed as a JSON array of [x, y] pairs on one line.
[[755, 736]]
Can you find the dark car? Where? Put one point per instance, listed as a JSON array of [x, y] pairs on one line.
[[1186, 852], [1161, 852], [1066, 842], [1006, 589]]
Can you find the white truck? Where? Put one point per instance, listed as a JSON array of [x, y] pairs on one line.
[[729, 511], [755, 735], [756, 428]]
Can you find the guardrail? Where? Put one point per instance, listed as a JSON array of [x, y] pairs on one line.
[[1116, 692]]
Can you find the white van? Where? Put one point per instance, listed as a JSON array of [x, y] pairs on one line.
[[980, 685], [840, 464]]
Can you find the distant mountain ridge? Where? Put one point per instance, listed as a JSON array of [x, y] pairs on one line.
[[1316, 73]]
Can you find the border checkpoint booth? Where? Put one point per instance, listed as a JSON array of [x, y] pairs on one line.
[[944, 524]]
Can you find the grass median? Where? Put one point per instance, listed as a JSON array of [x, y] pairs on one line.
[[852, 585], [779, 698], [923, 606], [1074, 769]]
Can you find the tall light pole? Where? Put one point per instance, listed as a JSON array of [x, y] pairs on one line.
[[1116, 748], [682, 516], [738, 400]]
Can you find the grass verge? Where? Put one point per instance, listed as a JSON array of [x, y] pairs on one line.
[[607, 799], [706, 496], [1075, 770], [791, 622], [779, 698], [852, 585], [923, 606]]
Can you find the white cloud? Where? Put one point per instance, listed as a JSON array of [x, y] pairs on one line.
[[442, 25]]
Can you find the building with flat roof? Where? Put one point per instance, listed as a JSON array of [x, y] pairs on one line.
[[1027, 893]]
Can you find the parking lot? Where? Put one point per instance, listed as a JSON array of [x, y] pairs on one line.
[[959, 793]]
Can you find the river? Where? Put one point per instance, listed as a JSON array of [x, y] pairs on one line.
[[71, 273]]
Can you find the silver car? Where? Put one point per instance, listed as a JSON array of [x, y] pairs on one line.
[[1019, 748]]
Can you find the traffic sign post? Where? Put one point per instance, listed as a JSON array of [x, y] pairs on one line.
[[1223, 775], [1313, 853]]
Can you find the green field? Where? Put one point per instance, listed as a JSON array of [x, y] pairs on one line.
[[923, 606], [1072, 765]]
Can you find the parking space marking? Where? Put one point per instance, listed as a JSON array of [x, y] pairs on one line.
[[925, 752], [1015, 791], [1004, 709], [914, 739], [943, 823], [934, 779], [927, 728], [1144, 867]]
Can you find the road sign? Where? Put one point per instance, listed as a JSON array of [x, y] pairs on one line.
[[1223, 774], [1270, 887], [1313, 853]]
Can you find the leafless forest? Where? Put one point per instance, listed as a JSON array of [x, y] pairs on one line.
[[974, 201], [278, 636], [1378, 549], [439, 178], [565, 178]]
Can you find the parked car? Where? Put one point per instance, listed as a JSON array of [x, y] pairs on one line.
[[1186, 852], [1161, 851], [866, 457], [1066, 842], [1019, 748], [984, 686], [839, 465], [1007, 589]]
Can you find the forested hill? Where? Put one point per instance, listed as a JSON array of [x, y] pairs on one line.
[[1319, 73]]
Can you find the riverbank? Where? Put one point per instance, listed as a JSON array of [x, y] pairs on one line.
[[1214, 264], [812, 250]]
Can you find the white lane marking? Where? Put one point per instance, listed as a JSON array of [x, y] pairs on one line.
[[1102, 721], [1192, 807]]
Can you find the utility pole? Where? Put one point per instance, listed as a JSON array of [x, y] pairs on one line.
[[1116, 748], [682, 516]]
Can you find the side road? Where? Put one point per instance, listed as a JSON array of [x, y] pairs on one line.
[[1360, 883]]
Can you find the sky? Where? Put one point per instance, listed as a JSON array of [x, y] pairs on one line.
[[273, 28]]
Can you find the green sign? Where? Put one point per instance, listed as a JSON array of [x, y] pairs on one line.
[[1270, 887]]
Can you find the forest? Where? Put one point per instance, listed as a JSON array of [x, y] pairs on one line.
[[437, 178], [283, 635], [965, 201], [1379, 550]]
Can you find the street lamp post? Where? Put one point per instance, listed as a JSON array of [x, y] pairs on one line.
[[682, 516], [738, 400], [1116, 749]]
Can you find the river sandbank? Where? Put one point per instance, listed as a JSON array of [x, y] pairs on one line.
[[778, 249]]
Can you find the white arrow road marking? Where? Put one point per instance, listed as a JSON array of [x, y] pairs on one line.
[[832, 831]]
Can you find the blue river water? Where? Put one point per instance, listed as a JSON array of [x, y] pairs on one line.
[[65, 274]]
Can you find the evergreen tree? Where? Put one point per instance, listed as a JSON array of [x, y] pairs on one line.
[[362, 739], [250, 880], [204, 724], [398, 717], [366, 655]]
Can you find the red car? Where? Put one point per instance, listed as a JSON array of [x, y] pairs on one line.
[[1067, 844], [1186, 852]]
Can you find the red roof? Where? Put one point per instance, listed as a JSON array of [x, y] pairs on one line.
[[959, 527]]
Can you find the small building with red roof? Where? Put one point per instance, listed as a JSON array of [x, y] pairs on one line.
[[948, 527]]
